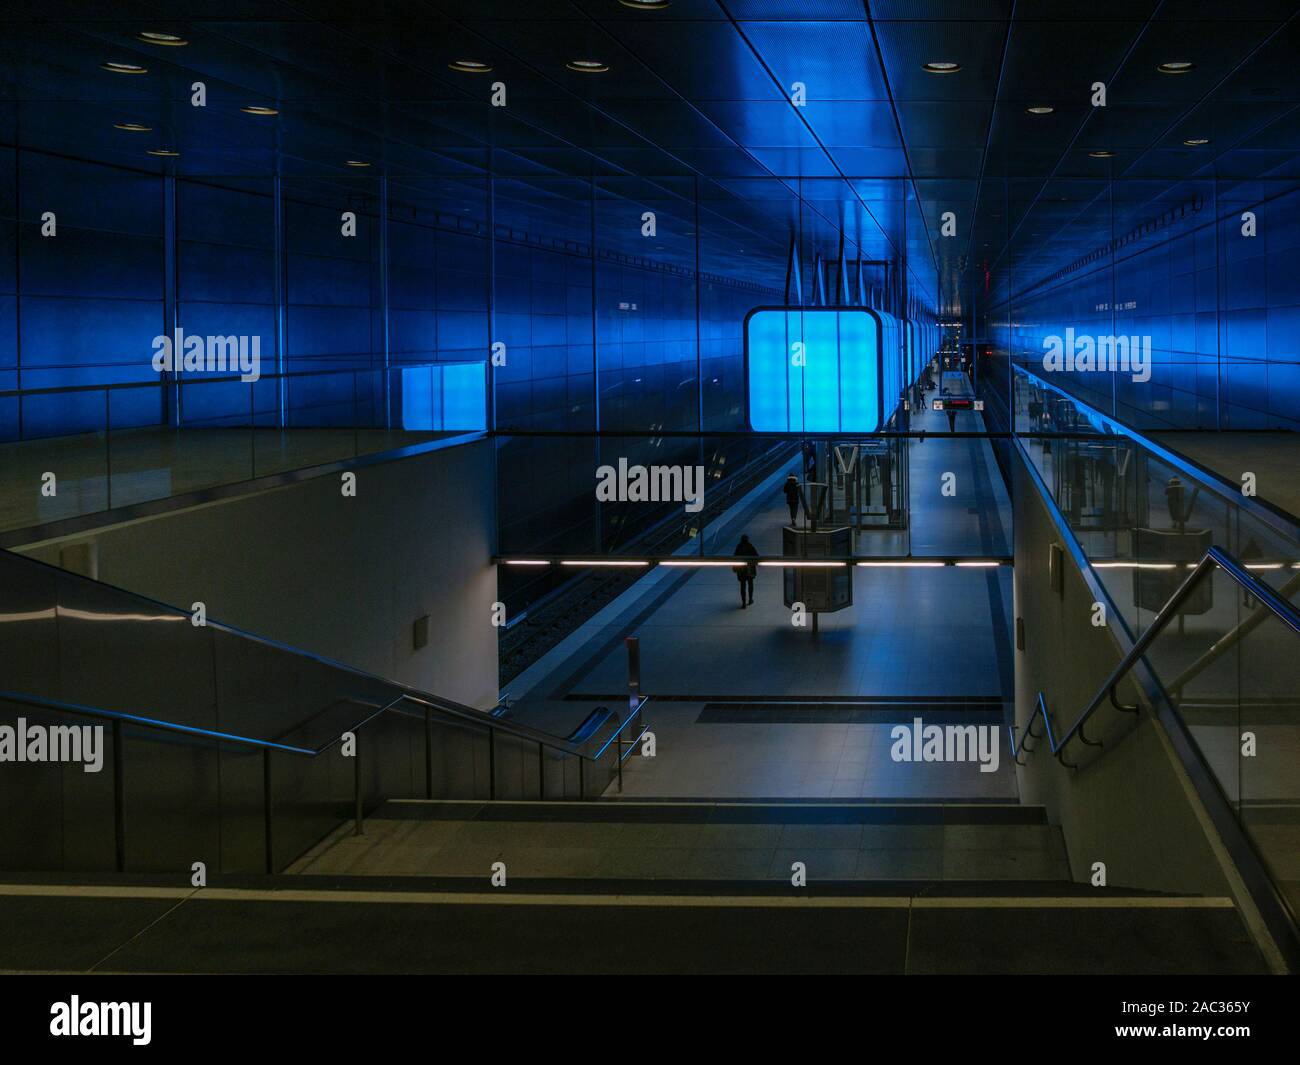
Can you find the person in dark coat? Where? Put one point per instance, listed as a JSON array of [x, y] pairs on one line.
[[792, 497], [745, 573]]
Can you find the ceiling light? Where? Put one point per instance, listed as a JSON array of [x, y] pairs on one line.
[[1041, 109], [526, 562], [603, 562], [1176, 66], [165, 152], [356, 162], [645, 5], [132, 127], [169, 40], [470, 66], [123, 68], [941, 67], [587, 66], [1196, 142], [1102, 154], [258, 109]]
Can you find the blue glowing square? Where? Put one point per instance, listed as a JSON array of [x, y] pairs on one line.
[[813, 369]]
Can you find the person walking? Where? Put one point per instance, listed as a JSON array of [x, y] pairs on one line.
[[791, 489], [746, 572]]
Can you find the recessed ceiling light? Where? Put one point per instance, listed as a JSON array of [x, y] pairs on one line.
[[123, 68], [1041, 109], [1176, 66], [1103, 154], [258, 109], [132, 127], [168, 40], [1196, 142], [645, 5], [470, 66], [587, 66], [165, 152], [356, 162], [941, 67]]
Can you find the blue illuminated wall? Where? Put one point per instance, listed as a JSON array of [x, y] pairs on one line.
[[137, 254], [1222, 311]]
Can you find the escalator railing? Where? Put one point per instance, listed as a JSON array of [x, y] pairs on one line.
[[195, 705]]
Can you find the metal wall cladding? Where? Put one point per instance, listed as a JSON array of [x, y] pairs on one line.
[[100, 628], [29, 645], [57, 815]]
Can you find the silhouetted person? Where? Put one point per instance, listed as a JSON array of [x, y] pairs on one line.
[[952, 420], [745, 573], [791, 489]]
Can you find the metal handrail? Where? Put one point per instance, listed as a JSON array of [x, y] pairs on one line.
[[40, 702], [1214, 556]]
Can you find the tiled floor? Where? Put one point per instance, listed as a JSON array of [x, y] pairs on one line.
[[694, 760], [927, 632]]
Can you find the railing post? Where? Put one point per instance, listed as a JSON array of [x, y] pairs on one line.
[[356, 767], [492, 763], [267, 816], [119, 800], [633, 644]]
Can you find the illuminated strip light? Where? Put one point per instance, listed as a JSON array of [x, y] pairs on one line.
[[527, 562], [905, 565], [979, 564], [603, 562], [802, 563], [1265, 565], [1137, 565], [699, 562]]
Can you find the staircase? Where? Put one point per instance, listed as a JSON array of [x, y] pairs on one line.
[[707, 887]]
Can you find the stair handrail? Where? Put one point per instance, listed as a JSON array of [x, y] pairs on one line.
[[1214, 556]]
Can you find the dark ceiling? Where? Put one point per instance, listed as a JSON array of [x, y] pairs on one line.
[[697, 97]]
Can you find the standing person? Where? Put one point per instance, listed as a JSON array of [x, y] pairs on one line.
[[791, 489], [952, 419], [746, 572]]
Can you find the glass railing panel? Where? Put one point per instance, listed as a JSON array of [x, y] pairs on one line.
[[1198, 665], [1268, 748], [141, 441]]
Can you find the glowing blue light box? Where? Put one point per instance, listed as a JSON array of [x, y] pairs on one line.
[[813, 369]]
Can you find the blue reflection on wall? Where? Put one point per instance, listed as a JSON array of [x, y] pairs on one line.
[[837, 386], [449, 395]]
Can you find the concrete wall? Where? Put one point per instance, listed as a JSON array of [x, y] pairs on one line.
[[342, 577], [1130, 806]]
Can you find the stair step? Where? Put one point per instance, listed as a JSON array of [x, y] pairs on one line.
[[289, 929], [698, 842]]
